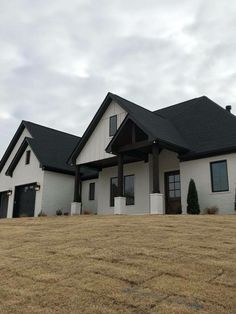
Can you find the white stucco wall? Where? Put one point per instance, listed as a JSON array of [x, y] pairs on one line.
[[141, 188], [86, 203], [95, 147], [199, 171], [58, 190]]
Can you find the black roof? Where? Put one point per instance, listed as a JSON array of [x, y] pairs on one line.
[[197, 127], [51, 147], [207, 128]]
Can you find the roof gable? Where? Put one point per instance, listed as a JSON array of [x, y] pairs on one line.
[[51, 147], [157, 127]]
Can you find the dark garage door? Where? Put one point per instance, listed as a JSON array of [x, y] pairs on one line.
[[24, 201], [3, 204]]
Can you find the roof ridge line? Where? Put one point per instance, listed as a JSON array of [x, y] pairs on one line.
[[46, 127]]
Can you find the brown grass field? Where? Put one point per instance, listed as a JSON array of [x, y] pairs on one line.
[[97, 264]]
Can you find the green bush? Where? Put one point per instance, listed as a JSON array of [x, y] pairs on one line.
[[192, 199], [213, 210]]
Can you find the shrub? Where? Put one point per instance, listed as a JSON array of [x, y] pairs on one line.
[[213, 210], [66, 214], [87, 212], [192, 199], [59, 212], [42, 214]]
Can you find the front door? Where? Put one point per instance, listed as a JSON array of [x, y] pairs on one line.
[[3, 204], [172, 192], [24, 201]]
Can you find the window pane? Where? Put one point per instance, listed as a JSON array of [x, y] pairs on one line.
[[177, 193], [113, 125], [177, 178], [177, 185], [171, 186], [113, 190], [27, 157], [129, 189], [171, 178], [219, 176], [171, 194]]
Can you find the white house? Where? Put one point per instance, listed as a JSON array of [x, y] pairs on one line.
[[144, 160], [34, 175]]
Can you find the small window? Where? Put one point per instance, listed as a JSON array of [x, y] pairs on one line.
[[27, 157], [112, 125], [219, 176], [113, 190], [129, 189], [92, 191]]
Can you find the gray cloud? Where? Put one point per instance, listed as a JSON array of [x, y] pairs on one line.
[[58, 59]]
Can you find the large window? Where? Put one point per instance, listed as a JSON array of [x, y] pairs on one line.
[[219, 176], [92, 191], [27, 157], [128, 189], [113, 190], [112, 125]]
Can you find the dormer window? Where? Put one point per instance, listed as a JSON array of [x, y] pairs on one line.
[[27, 157], [112, 125]]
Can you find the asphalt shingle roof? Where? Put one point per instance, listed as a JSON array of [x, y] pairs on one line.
[[204, 125], [52, 147]]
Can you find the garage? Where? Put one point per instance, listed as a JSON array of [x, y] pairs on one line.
[[24, 201], [3, 204]]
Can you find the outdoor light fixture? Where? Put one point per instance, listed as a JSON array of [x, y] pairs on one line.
[[37, 187], [9, 192]]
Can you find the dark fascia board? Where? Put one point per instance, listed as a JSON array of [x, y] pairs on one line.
[[151, 137], [12, 144], [90, 128], [54, 169], [218, 152], [17, 157], [127, 118]]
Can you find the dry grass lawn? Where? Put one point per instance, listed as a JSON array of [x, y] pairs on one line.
[[95, 264]]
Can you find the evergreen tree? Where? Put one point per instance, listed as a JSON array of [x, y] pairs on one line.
[[192, 199]]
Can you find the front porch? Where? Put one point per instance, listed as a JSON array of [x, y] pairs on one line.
[[153, 166]]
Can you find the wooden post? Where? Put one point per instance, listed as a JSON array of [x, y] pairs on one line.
[[155, 174], [77, 186], [120, 175]]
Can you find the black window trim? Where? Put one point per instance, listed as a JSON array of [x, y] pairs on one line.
[[129, 175], [91, 195], [110, 131], [212, 186], [27, 157]]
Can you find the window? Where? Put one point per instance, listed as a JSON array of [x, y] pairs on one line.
[[112, 125], [113, 190], [219, 176], [27, 157], [173, 185], [92, 191], [129, 189]]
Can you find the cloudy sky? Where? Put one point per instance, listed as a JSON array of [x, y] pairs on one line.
[[58, 59]]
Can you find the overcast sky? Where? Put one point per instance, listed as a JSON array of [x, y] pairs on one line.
[[58, 59]]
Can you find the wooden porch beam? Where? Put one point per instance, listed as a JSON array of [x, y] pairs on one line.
[[156, 172], [77, 185], [120, 174]]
